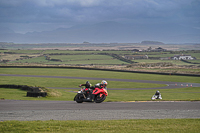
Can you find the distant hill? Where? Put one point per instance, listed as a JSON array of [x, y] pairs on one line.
[[106, 32], [152, 42]]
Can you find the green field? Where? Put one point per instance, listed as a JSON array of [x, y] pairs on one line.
[[88, 57], [98, 74], [175, 62], [65, 59], [35, 60], [104, 126], [73, 83], [106, 59], [190, 93], [167, 54], [195, 61]]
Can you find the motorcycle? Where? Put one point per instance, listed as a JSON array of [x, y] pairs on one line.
[[154, 97], [96, 95]]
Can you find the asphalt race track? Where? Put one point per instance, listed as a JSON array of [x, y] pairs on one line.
[[70, 110]]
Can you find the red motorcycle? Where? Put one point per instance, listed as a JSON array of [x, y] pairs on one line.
[[96, 95]]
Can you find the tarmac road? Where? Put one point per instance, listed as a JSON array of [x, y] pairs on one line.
[[70, 110]]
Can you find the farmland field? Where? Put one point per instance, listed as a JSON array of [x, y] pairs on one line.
[[89, 57], [72, 59]]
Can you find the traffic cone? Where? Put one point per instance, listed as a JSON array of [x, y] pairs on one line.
[[181, 84], [191, 85], [175, 84], [187, 85]]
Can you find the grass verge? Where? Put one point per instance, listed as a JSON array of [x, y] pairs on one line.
[[99, 126], [181, 94], [74, 83]]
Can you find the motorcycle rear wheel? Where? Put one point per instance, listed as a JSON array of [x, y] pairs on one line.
[[79, 98], [99, 99]]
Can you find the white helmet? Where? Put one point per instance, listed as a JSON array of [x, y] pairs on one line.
[[104, 82]]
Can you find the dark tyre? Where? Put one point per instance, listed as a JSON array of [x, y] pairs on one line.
[[99, 99], [79, 98]]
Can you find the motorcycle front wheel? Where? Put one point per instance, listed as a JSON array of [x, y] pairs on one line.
[[78, 98], [99, 99]]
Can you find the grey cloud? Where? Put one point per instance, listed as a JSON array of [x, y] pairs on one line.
[[134, 7], [84, 11]]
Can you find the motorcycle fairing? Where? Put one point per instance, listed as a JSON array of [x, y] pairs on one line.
[[101, 91]]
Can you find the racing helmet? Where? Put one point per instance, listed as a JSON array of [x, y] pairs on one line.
[[87, 82], [104, 82], [157, 92]]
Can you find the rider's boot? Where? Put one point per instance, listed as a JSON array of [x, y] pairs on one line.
[[92, 97], [88, 95]]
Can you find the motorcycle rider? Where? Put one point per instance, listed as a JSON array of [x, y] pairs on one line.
[[157, 95], [88, 86], [103, 84]]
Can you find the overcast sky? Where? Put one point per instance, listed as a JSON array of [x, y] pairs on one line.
[[37, 15]]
